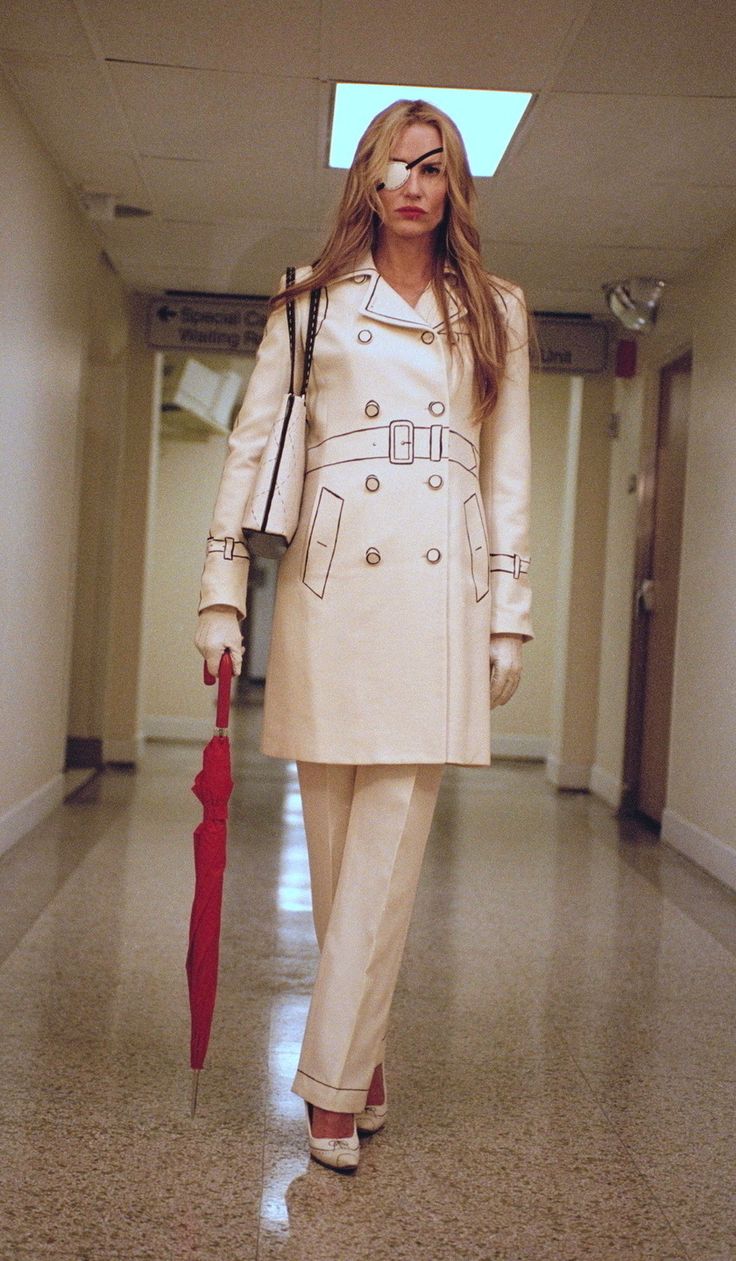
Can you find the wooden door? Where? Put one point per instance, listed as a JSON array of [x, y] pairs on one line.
[[655, 597]]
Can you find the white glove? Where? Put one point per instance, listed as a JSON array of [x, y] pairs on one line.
[[505, 667], [217, 630]]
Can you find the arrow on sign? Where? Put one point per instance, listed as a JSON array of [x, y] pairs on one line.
[[166, 313]]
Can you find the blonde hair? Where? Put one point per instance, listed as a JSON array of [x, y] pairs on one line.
[[357, 225]]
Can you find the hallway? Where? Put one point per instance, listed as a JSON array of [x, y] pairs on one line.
[[562, 1066]]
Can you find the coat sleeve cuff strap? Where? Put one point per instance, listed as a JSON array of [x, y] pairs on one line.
[[509, 563], [228, 548]]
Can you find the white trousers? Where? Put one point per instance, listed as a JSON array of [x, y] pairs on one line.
[[367, 828]]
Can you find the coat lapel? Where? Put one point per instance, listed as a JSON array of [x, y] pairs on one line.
[[385, 304], [429, 309], [381, 302]]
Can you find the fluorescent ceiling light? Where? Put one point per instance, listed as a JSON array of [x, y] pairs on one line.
[[487, 120]]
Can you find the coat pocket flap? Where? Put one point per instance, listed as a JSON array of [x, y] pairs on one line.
[[322, 541], [478, 545]]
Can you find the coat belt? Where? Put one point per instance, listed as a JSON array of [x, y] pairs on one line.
[[400, 442]]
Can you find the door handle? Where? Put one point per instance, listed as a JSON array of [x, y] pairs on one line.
[[645, 595]]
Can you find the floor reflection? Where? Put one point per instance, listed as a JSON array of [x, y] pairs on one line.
[[561, 1066]]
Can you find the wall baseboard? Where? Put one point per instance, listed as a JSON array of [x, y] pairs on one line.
[[570, 775], [123, 752], [607, 786], [27, 813], [526, 748], [159, 727], [708, 851]]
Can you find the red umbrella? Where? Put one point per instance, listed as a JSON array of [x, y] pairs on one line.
[[213, 787]]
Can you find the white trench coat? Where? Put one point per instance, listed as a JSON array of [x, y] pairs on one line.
[[412, 545]]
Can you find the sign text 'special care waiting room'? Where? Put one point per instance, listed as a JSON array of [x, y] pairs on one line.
[[206, 324]]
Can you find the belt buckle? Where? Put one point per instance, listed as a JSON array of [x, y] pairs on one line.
[[401, 442]]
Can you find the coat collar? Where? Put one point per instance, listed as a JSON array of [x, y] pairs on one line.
[[381, 302]]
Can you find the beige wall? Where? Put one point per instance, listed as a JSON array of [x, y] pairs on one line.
[[45, 284], [580, 589], [119, 406], [523, 727], [700, 814], [132, 546], [77, 405], [700, 817], [103, 410], [176, 704]]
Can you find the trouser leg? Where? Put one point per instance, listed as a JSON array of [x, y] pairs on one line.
[[327, 796], [389, 822]]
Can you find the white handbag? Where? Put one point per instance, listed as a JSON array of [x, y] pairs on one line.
[[272, 513]]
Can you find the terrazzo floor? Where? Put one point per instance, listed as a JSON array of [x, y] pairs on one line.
[[561, 1066]]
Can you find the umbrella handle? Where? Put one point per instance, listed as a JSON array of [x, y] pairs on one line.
[[223, 680]]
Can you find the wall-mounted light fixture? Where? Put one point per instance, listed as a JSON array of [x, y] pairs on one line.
[[634, 302], [106, 207]]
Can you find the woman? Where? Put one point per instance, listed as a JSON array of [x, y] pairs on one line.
[[407, 571]]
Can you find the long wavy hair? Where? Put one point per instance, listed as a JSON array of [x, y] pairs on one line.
[[358, 223]]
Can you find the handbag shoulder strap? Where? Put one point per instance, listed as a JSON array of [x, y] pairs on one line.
[[311, 335], [311, 332], [291, 323]]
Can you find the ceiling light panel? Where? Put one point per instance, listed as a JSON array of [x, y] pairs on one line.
[[487, 120]]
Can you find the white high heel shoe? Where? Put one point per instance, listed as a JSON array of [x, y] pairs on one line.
[[373, 1117], [336, 1153]]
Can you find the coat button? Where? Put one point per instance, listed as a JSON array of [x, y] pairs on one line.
[[371, 408], [360, 280], [373, 556], [433, 555], [437, 409], [365, 335], [435, 481], [427, 337], [372, 483]]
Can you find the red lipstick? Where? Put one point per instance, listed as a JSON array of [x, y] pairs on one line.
[[411, 212]]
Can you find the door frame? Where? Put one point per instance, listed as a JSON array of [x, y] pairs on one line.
[[643, 560]]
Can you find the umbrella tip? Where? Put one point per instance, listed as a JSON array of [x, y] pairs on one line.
[[195, 1092]]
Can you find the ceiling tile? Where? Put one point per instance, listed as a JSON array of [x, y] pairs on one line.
[[107, 172], [654, 171], [151, 278], [329, 187], [43, 26], [678, 47], [226, 191], [603, 182], [162, 242], [254, 268], [580, 136], [69, 103], [261, 267], [426, 42], [274, 39], [576, 274], [246, 257], [659, 215], [208, 115]]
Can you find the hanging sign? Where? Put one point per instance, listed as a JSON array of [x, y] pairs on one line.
[[572, 345], [206, 323]]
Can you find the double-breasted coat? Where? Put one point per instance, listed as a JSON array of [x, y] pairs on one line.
[[412, 544]]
